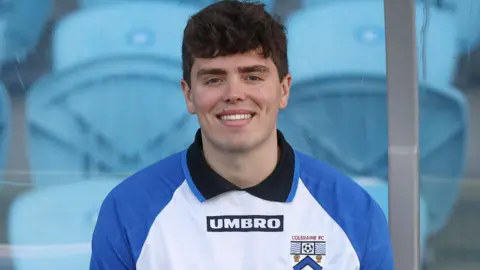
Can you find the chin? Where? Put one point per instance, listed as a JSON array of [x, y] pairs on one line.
[[237, 146], [241, 140]]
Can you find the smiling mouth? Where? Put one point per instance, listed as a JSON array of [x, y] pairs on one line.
[[235, 117]]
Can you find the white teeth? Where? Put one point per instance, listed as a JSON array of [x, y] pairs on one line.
[[233, 117]]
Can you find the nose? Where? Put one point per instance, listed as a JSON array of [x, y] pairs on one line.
[[234, 92]]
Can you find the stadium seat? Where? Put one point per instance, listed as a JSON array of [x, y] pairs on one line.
[[106, 117], [110, 108], [127, 28], [51, 228], [378, 189], [466, 18], [4, 128], [199, 3], [338, 108], [22, 23], [313, 3], [467, 13]]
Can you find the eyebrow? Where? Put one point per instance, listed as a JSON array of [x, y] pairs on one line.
[[254, 68], [219, 71], [211, 71]]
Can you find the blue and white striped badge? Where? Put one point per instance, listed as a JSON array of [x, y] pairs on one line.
[[308, 248]]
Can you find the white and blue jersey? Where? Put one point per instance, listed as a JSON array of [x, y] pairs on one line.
[[178, 214]]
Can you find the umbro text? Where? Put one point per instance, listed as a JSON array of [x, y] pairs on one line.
[[255, 223]]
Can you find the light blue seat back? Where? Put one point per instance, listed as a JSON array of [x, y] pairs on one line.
[[4, 128], [356, 44], [127, 28], [51, 228], [306, 4], [465, 12], [94, 3], [22, 23], [338, 109], [378, 189], [114, 103], [201, 3], [106, 117]]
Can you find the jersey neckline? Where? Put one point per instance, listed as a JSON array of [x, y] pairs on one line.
[[206, 184]]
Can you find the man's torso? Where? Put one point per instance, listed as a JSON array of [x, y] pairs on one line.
[[239, 231]]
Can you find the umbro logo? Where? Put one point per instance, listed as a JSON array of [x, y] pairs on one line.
[[245, 223]]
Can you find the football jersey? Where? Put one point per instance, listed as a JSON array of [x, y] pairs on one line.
[[179, 214]]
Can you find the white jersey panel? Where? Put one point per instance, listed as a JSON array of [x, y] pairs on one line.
[[179, 240]]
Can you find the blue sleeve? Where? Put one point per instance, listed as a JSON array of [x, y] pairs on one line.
[[378, 253], [110, 246], [354, 210]]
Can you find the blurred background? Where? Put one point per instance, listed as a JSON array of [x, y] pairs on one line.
[[89, 93]]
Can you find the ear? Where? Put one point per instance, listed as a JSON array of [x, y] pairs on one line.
[[285, 88], [187, 94]]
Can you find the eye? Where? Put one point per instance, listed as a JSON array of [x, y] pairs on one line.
[[253, 78], [213, 81]]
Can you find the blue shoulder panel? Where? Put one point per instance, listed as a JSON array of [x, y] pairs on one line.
[[129, 211], [353, 209]]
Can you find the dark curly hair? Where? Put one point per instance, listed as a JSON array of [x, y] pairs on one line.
[[231, 27]]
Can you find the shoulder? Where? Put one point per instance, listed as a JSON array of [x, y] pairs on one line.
[[144, 194], [129, 210], [328, 185], [162, 177], [348, 204]]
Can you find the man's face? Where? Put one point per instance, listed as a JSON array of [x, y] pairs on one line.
[[237, 99]]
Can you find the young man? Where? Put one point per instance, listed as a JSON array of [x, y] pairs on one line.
[[239, 197]]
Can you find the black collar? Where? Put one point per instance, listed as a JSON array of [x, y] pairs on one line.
[[280, 186]]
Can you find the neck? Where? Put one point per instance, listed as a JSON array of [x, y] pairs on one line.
[[244, 169]]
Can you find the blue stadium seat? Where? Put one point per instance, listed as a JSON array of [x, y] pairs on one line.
[[21, 25], [110, 117], [200, 3], [466, 13], [4, 128], [127, 28], [115, 105], [338, 109], [378, 189], [51, 228]]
